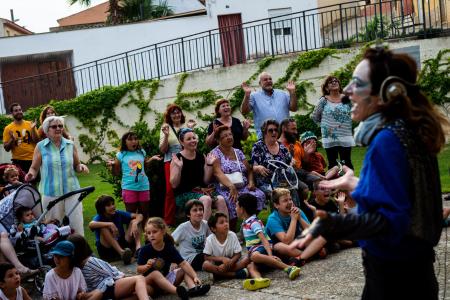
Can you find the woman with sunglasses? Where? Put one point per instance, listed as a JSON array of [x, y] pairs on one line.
[[56, 158], [168, 144], [190, 173], [332, 114], [266, 149]]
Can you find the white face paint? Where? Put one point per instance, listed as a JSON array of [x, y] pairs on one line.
[[359, 90]]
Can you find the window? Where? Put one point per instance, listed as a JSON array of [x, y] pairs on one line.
[[280, 25]]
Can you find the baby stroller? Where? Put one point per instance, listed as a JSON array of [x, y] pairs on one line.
[[284, 176], [30, 251]]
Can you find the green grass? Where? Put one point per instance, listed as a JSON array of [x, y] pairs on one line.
[[101, 188]]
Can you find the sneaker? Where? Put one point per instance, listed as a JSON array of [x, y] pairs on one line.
[[242, 273], [293, 272], [297, 262], [126, 256], [182, 292], [199, 290], [256, 283]]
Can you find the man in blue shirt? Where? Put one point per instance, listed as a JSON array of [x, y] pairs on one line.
[[285, 223], [268, 103]]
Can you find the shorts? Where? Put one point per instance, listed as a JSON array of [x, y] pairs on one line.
[[135, 196], [197, 262], [109, 293], [109, 254], [258, 248]]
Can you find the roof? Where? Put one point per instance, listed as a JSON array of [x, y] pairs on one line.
[[92, 15], [15, 26]]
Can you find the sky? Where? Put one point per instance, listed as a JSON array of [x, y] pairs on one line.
[[39, 15]]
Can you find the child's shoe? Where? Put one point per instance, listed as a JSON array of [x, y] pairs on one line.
[[256, 283], [242, 273], [292, 272], [297, 261], [199, 290], [182, 292], [126, 256]]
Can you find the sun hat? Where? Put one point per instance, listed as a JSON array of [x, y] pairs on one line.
[[63, 248]]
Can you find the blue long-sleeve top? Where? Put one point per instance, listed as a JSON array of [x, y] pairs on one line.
[[384, 187]]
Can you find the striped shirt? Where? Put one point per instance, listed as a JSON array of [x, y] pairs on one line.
[[57, 171], [99, 274], [335, 123], [251, 228]]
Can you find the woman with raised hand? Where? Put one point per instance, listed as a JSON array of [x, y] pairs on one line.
[[191, 172], [174, 120], [398, 193], [223, 117], [233, 173], [332, 113], [56, 158]]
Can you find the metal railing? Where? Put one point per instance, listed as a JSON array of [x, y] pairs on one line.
[[330, 26]]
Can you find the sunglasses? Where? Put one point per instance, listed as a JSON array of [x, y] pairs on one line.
[[333, 81], [56, 126]]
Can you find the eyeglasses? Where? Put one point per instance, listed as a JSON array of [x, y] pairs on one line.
[[333, 81], [60, 126], [272, 130], [176, 111]]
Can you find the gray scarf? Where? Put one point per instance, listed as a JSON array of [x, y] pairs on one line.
[[366, 129]]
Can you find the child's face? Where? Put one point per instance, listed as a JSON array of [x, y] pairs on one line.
[[196, 214], [110, 209], [322, 197], [13, 178], [132, 143], [284, 204], [28, 216], [61, 261], [222, 226], [154, 235], [11, 280]]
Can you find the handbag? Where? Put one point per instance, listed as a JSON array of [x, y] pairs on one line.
[[236, 178]]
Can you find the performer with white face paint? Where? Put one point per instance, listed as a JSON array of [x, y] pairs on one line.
[[398, 193]]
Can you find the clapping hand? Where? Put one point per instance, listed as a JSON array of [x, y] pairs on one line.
[[154, 157], [165, 129], [33, 124], [290, 86], [191, 123], [178, 162], [210, 159], [246, 124]]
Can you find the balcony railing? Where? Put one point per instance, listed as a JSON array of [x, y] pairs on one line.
[[331, 26]]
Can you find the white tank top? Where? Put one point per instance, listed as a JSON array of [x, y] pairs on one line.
[[19, 295]]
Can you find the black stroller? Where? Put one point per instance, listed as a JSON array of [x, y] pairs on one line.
[[32, 252]]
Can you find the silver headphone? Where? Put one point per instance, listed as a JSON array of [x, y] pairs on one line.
[[394, 86]]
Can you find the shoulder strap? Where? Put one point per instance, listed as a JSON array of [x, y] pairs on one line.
[[174, 131]]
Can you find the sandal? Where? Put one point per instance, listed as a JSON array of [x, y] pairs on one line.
[[28, 273]]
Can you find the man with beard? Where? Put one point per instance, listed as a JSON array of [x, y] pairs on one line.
[[268, 103], [20, 137]]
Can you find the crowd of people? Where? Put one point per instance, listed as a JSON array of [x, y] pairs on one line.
[[394, 209]]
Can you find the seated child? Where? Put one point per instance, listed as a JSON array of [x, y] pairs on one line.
[[111, 239], [258, 244], [65, 281], [104, 280], [155, 259], [191, 235], [46, 232], [10, 283], [11, 176], [223, 251]]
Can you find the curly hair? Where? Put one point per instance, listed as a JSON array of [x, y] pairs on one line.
[[324, 87], [169, 110]]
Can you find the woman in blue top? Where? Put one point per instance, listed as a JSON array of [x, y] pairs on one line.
[[130, 162], [399, 218]]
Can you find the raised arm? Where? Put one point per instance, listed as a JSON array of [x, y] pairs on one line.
[[245, 105], [293, 103]]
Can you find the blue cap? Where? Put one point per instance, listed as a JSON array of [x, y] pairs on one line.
[[63, 248]]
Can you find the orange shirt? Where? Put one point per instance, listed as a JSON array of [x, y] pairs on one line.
[[297, 153]]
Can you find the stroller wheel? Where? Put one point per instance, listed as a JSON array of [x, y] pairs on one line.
[[40, 278]]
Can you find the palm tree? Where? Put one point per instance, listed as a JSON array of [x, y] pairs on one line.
[[125, 11]]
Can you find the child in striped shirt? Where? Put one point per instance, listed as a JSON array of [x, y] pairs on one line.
[[258, 244]]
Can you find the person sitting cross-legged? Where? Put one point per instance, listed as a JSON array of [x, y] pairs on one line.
[[112, 241]]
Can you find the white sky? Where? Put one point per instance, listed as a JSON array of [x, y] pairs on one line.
[[39, 15]]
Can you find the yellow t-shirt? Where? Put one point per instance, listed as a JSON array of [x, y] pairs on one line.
[[24, 148]]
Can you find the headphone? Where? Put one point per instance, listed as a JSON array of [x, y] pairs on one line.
[[394, 86]]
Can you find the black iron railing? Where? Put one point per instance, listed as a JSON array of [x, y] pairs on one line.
[[331, 26]]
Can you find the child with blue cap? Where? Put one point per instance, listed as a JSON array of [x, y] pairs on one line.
[[65, 281]]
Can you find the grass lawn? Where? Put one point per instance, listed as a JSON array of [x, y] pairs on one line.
[[105, 188]]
